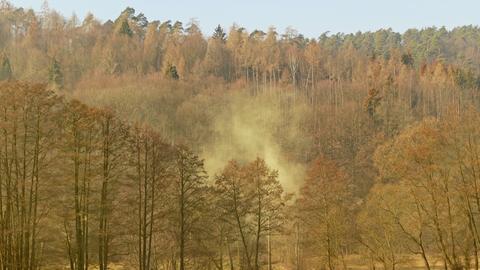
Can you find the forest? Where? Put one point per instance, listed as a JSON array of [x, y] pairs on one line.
[[144, 144]]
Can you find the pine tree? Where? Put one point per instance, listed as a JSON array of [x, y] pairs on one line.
[[407, 59], [172, 72], [372, 102], [56, 75], [219, 34], [125, 28], [5, 68]]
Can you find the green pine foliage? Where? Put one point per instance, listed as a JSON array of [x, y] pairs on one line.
[[219, 34], [125, 29], [5, 68], [172, 72], [56, 75]]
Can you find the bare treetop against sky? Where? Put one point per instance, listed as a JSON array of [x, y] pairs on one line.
[[307, 16]]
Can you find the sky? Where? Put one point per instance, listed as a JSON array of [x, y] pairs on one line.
[[309, 17]]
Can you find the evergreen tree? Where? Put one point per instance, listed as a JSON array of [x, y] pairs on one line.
[[172, 72], [372, 102], [125, 28], [177, 28], [56, 75], [122, 23], [219, 34], [5, 68], [141, 20], [407, 59]]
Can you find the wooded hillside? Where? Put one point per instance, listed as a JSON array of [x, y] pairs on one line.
[[151, 145]]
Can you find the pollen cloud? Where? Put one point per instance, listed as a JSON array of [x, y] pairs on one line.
[[253, 128]]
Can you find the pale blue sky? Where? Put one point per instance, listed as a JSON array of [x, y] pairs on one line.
[[310, 17]]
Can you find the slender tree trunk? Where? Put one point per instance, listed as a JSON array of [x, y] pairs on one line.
[[297, 246], [269, 244], [259, 230], [230, 257]]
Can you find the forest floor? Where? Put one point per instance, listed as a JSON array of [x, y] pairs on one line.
[[356, 262]]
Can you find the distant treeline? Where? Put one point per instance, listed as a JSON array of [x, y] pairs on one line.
[[44, 45]]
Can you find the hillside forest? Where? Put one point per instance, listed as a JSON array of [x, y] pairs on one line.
[[144, 144]]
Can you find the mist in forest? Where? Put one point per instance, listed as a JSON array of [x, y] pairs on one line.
[[248, 128]]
